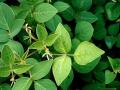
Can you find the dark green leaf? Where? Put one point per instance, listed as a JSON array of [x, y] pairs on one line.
[[86, 16], [82, 4], [84, 31], [113, 29], [86, 68], [53, 23], [61, 6]]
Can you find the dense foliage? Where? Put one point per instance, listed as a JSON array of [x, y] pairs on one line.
[[59, 44]]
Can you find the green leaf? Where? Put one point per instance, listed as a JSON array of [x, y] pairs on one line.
[[5, 87], [109, 76], [75, 43], [61, 68], [102, 65], [63, 43], [45, 84], [22, 14], [112, 10], [7, 55], [51, 39], [100, 76], [4, 71], [61, 6], [41, 69], [19, 69], [4, 36], [44, 12], [37, 45], [115, 64], [29, 4], [31, 61], [84, 31], [86, 68], [67, 82], [86, 16], [16, 27], [2, 0], [41, 32], [100, 32], [16, 47], [82, 4], [113, 29], [110, 41], [118, 41], [53, 23], [6, 16], [97, 86], [68, 14], [87, 52], [22, 83]]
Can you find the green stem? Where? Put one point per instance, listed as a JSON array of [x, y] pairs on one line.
[[32, 53]]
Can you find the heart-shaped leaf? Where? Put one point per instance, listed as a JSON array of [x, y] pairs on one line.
[[44, 12], [61, 68], [87, 52]]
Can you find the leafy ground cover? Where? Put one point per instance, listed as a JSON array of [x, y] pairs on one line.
[[59, 44]]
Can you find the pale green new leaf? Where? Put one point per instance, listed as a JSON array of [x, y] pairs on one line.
[[87, 52], [51, 39], [41, 32], [7, 55], [37, 45], [44, 12], [63, 43], [61, 68], [61, 6], [22, 83], [45, 84], [41, 69]]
